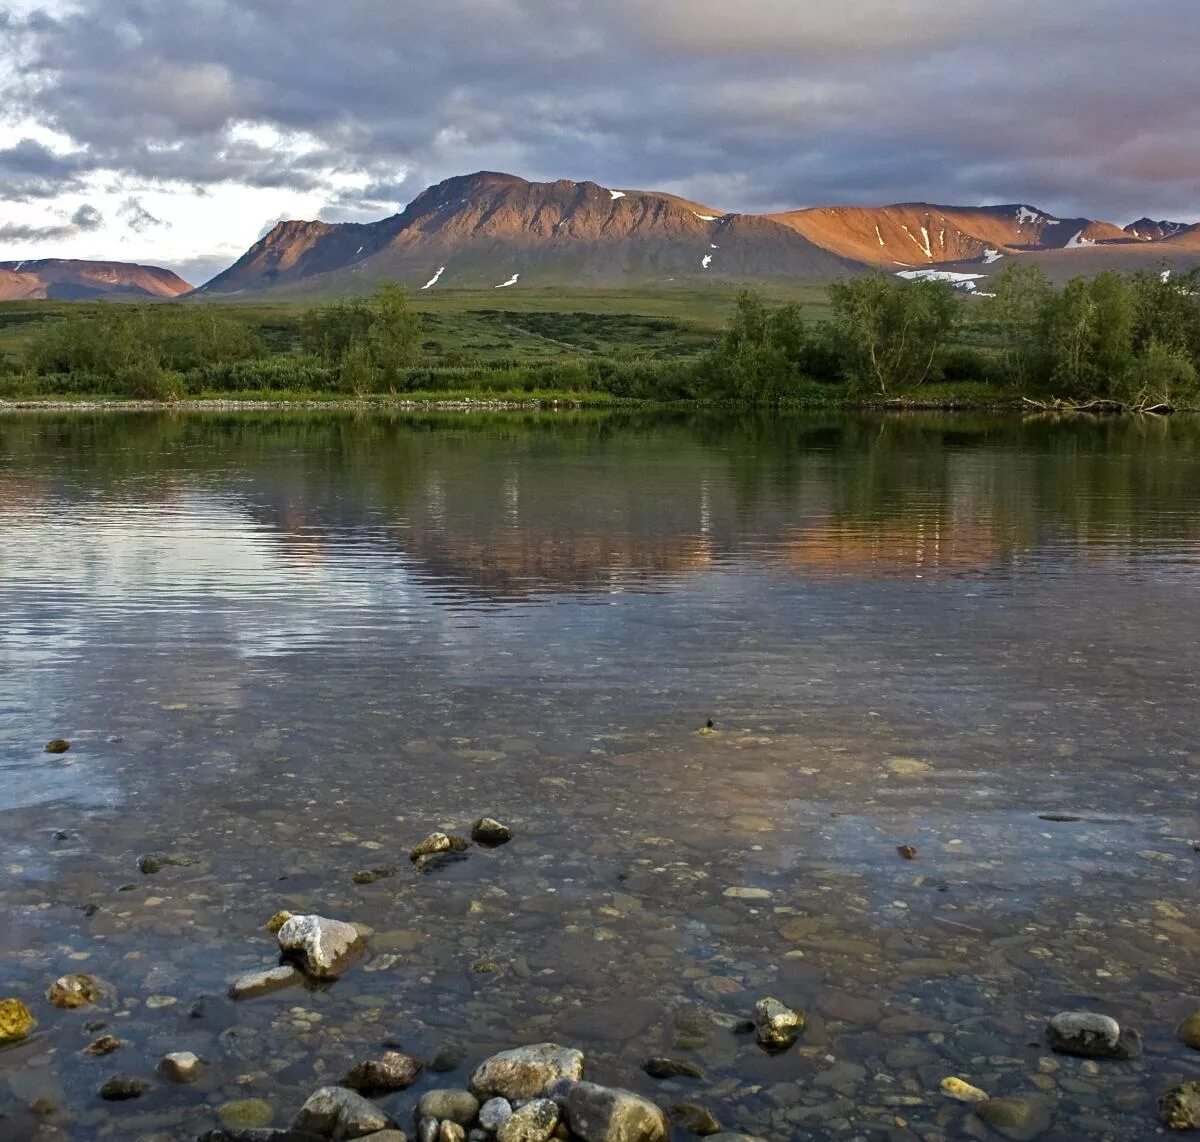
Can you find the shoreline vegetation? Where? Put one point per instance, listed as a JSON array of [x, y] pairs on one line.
[[1110, 344]]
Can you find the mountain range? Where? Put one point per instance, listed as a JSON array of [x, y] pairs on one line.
[[490, 230]]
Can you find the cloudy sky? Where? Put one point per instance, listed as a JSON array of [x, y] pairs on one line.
[[177, 131]]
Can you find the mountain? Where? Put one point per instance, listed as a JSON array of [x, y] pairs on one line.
[[920, 234], [491, 230], [495, 230], [1147, 230], [67, 280]]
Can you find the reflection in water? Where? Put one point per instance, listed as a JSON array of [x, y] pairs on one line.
[[291, 645]]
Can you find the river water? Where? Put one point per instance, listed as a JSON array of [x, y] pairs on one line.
[[286, 647]]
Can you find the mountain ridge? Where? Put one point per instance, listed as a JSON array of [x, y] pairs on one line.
[[75, 279]]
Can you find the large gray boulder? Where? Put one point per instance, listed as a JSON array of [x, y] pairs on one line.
[[526, 1072], [337, 1113], [323, 948], [1089, 1035], [597, 1113]]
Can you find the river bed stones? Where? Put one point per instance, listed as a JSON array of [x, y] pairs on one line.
[[695, 1119], [436, 844], [1088, 1035], [337, 1113], [494, 1113], [451, 1105], [180, 1066], [16, 1021], [123, 1088], [57, 745], [70, 992], [323, 948], [533, 1122], [776, 1024], [597, 1113], [104, 1045], [962, 1091], [1179, 1108], [1188, 1032], [660, 1067], [490, 832], [391, 1072], [256, 983], [526, 1072], [246, 1114], [153, 863], [1021, 1119]]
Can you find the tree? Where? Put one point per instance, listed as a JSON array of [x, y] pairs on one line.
[[1087, 330], [759, 358], [394, 339], [1022, 293], [889, 331]]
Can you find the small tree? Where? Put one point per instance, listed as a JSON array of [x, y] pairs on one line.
[[1022, 293], [1087, 330], [889, 331], [395, 334], [759, 357]]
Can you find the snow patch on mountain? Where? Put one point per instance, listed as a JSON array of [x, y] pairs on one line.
[[617, 194], [959, 281], [706, 261], [1079, 241], [990, 256], [511, 282], [434, 280], [708, 217]]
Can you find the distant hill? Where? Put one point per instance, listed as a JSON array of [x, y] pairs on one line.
[[68, 280]]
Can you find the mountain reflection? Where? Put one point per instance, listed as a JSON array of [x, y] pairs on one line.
[[503, 507]]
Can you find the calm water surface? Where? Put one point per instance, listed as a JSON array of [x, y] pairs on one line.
[[289, 646]]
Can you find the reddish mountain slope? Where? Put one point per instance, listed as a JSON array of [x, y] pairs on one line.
[[70, 280]]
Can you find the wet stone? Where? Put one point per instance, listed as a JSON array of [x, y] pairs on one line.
[[371, 875], [259, 983], [324, 948], [451, 1132], [1088, 1035], [1021, 1119], [122, 1088], [277, 921], [661, 1067], [1188, 1032], [393, 1071], [607, 1114], [695, 1119], [776, 1024], [338, 1113], [57, 745], [533, 1122], [488, 831], [153, 863], [433, 844], [104, 1045], [16, 1021], [181, 1066], [494, 1113], [73, 991], [246, 1114], [427, 1130], [526, 1072], [1179, 1108], [448, 1058], [459, 1106]]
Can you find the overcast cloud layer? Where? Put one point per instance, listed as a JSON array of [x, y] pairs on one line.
[[175, 131]]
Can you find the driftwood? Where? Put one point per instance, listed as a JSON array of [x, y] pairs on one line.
[[1155, 408]]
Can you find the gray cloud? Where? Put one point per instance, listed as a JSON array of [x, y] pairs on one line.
[[137, 217], [769, 104], [83, 220]]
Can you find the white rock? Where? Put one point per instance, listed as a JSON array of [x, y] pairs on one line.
[[181, 1066], [326, 948], [526, 1072]]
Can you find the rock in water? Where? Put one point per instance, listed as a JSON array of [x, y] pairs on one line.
[[494, 1113], [695, 1119], [393, 1071], [338, 1113], [324, 948], [526, 1072], [16, 1021], [459, 1106], [434, 843], [72, 991], [1179, 1108], [451, 1132], [777, 1025], [606, 1114], [58, 745], [277, 921], [963, 1091], [663, 1068], [427, 1130], [245, 1114], [489, 831], [1188, 1032], [121, 1088], [264, 982], [181, 1066], [1091, 1036], [1021, 1119], [104, 1045], [534, 1122]]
